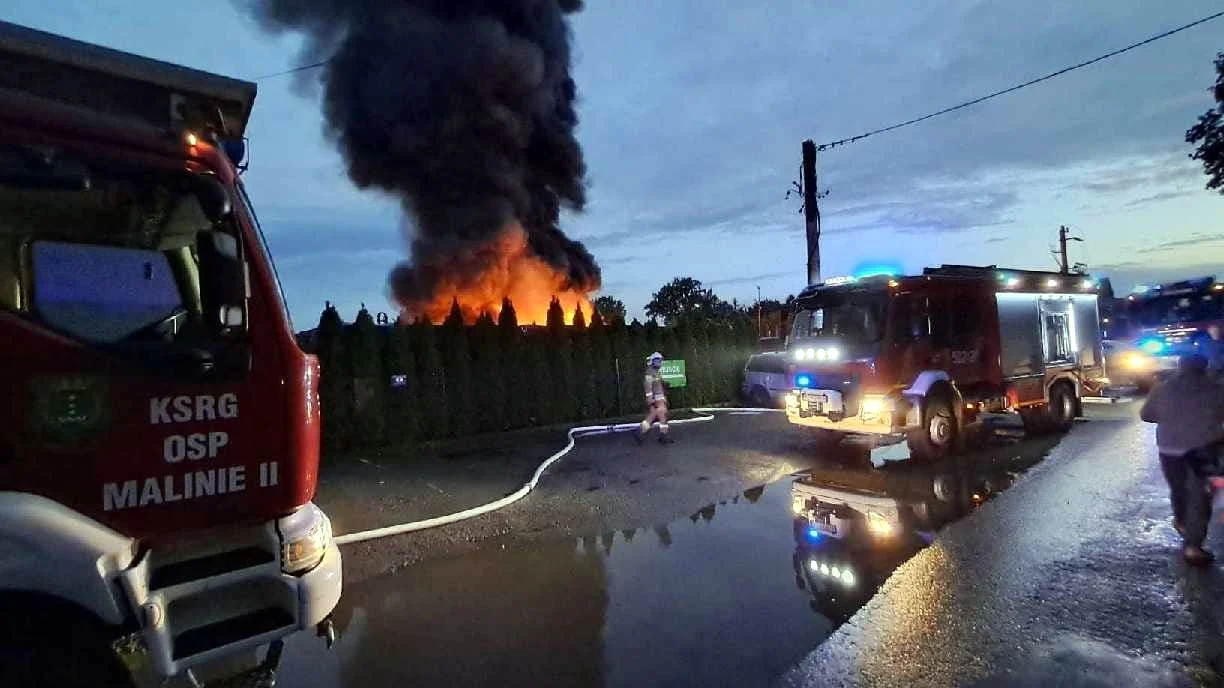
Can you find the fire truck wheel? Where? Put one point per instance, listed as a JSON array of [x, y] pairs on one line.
[[1061, 411], [51, 643], [937, 436]]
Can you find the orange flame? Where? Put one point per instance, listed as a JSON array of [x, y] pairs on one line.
[[515, 272]]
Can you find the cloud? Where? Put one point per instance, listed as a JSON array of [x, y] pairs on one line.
[[1159, 198], [1195, 240], [716, 114], [1126, 274], [751, 279], [995, 240]]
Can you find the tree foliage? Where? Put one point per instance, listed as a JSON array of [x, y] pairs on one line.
[[685, 298], [402, 417], [369, 381], [561, 406], [489, 386], [431, 379], [457, 358], [610, 308], [336, 385], [1208, 134], [516, 369], [425, 381]]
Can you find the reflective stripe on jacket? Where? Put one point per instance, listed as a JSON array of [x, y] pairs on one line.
[[654, 386]]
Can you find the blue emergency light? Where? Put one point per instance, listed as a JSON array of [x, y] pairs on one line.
[[877, 270], [1152, 345], [803, 380]]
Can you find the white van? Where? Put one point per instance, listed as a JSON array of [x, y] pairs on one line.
[[766, 381]]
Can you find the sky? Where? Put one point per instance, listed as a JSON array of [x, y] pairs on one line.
[[692, 113]]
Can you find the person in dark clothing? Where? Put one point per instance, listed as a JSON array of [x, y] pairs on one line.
[[1188, 411]]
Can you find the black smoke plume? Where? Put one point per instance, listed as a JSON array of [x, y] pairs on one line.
[[464, 110]]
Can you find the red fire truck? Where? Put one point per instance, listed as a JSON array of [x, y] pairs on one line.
[[925, 355], [159, 426], [1170, 320]]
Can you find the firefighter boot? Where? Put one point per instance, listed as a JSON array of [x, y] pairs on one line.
[[664, 436]]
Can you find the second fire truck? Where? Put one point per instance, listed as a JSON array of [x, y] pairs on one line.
[[925, 355], [1170, 320]]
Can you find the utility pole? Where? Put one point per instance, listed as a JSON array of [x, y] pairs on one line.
[[811, 213], [1064, 235]]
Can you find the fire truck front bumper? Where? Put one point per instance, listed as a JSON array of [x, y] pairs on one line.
[[253, 586], [827, 410]]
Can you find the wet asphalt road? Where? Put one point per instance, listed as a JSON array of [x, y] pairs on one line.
[[1067, 578], [1071, 578], [608, 483]]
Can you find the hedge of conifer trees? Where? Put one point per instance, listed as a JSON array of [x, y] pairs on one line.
[[394, 385]]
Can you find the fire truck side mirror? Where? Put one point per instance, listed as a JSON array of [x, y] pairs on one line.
[[212, 196], [232, 316], [224, 279]]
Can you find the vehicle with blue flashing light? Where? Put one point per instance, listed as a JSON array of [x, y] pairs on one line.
[[1179, 318], [924, 356], [159, 424]]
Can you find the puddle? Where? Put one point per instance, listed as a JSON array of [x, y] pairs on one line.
[[735, 593]]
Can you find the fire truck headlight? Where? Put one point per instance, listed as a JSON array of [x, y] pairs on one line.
[[832, 353], [1134, 361], [821, 354], [878, 525], [305, 537], [872, 405], [797, 505], [811, 354]]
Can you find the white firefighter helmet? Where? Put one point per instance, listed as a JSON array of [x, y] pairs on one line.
[[654, 358]]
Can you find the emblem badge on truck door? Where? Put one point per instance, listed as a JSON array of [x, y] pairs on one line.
[[66, 410]]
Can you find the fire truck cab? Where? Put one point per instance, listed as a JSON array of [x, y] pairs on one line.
[[159, 426], [925, 355]]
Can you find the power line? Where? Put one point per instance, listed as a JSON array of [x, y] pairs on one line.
[[1017, 87], [313, 65]]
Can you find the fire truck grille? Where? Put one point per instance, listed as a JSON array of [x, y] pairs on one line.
[[846, 384]]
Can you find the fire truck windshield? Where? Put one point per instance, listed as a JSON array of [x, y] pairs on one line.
[[855, 317], [115, 254], [1172, 309]]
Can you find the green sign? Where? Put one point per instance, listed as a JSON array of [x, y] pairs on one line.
[[673, 373]]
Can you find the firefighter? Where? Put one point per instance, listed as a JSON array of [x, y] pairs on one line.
[[656, 400]]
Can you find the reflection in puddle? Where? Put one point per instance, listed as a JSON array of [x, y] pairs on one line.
[[853, 527], [723, 596]]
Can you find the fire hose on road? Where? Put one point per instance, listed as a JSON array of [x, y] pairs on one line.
[[705, 415]]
